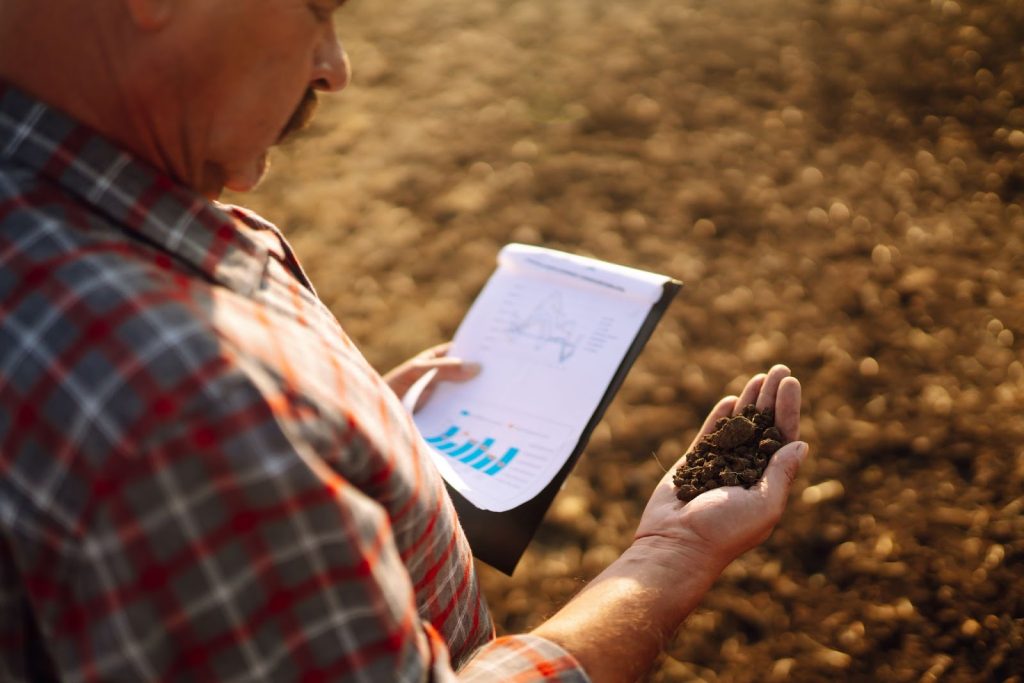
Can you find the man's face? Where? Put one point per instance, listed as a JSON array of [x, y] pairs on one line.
[[253, 67]]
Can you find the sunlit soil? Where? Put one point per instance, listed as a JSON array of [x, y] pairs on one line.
[[838, 183]]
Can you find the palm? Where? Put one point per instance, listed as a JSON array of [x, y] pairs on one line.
[[728, 521]]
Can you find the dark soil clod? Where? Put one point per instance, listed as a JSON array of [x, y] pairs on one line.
[[735, 454]]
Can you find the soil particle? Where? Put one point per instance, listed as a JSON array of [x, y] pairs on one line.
[[734, 454]]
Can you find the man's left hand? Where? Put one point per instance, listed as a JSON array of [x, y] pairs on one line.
[[435, 360]]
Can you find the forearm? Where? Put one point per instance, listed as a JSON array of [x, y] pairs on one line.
[[618, 625]]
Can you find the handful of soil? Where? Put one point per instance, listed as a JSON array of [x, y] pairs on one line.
[[735, 454]]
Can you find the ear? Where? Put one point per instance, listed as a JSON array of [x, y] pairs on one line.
[[149, 15]]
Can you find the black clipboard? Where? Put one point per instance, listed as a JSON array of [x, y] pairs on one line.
[[501, 538]]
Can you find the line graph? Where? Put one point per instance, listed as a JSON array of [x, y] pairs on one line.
[[548, 325]]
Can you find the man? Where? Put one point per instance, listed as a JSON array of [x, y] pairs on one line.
[[200, 477]]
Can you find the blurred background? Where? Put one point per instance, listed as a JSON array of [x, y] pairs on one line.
[[838, 183]]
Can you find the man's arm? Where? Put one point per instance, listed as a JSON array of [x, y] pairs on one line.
[[622, 620], [223, 551]]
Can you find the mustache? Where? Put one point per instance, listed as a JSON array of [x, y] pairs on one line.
[[302, 116]]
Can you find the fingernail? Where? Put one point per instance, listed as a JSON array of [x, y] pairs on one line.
[[801, 450], [471, 369]]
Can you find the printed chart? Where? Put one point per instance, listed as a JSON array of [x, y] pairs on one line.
[[548, 326], [549, 333], [498, 449], [478, 454]]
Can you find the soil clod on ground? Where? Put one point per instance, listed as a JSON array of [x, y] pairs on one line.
[[736, 453]]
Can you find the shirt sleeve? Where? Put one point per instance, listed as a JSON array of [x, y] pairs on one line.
[[523, 658], [218, 547]]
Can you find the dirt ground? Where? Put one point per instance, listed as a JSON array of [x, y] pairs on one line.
[[839, 184]]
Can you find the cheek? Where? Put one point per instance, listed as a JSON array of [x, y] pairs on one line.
[[277, 94], [269, 85], [240, 130], [255, 117]]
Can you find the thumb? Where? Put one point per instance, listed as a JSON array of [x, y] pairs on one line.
[[781, 472]]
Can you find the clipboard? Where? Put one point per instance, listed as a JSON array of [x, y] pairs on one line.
[[556, 333], [501, 538]]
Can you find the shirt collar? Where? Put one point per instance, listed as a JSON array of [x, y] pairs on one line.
[[131, 194]]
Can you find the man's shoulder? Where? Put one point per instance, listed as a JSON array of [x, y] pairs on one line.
[[15, 180], [38, 218], [85, 304]]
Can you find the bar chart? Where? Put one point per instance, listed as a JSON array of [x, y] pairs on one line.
[[549, 331], [480, 454]]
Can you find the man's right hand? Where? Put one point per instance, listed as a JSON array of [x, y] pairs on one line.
[[619, 623], [719, 525]]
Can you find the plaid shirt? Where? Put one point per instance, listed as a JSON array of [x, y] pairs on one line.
[[200, 477]]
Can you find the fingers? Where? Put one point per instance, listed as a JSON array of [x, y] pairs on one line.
[[432, 371], [724, 408], [775, 389], [446, 369], [787, 408], [451, 369], [750, 392], [780, 474], [433, 361], [766, 398], [436, 351]]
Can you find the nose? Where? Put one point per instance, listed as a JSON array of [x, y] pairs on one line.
[[331, 68]]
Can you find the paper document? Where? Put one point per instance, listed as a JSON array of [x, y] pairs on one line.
[[550, 330]]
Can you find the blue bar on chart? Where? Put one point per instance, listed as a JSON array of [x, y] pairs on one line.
[[461, 449], [452, 431], [471, 452], [483, 462], [481, 450], [505, 460]]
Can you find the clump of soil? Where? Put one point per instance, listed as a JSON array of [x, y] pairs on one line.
[[735, 454]]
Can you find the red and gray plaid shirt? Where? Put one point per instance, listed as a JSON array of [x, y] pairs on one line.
[[200, 477]]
